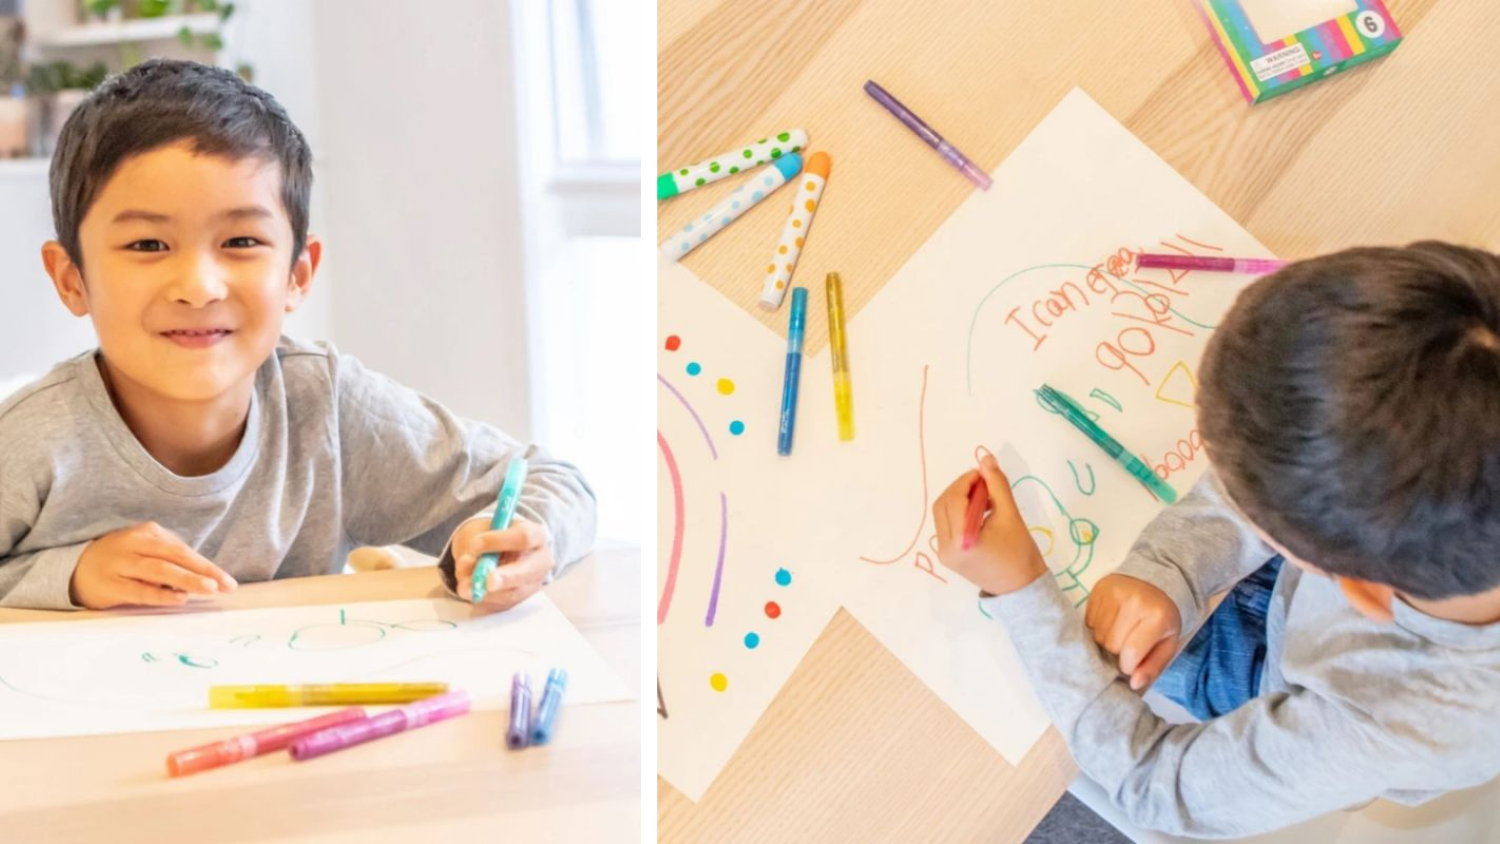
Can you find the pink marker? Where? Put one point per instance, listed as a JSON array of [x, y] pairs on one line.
[[231, 750], [418, 714], [1249, 266]]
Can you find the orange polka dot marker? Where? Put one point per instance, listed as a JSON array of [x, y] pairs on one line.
[[799, 220]]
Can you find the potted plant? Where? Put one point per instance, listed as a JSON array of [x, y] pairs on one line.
[[59, 87]]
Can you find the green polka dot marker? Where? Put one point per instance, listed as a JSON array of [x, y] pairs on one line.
[[709, 170]]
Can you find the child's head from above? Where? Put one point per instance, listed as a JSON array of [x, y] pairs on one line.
[[180, 197], [1351, 405]]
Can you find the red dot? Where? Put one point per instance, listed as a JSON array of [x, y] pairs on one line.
[[674, 343], [773, 609]]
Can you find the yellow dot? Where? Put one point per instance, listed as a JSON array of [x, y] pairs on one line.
[[726, 386], [719, 682], [782, 249], [788, 267], [780, 284], [799, 243], [811, 205], [811, 186], [771, 268], [796, 224]]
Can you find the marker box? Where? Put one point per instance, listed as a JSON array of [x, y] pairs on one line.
[[1276, 46]]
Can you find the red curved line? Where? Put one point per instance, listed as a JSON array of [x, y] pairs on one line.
[[665, 602], [922, 452]]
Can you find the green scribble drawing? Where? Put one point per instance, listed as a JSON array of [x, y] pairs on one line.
[[366, 627], [1083, 533], [1108, 399], [1093, 485]]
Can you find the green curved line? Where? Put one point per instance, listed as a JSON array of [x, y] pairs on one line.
[[1170, 309]]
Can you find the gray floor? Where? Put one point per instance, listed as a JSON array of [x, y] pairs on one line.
[[1071, 822]]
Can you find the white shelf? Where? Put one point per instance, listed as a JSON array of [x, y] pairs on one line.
[[130, 31]]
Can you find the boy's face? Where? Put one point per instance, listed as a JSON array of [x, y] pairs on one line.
[[187, 271]]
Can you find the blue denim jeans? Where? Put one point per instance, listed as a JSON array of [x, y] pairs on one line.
[[1220, 669]]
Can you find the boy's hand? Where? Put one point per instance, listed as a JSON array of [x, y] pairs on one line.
[[1136, 621], [1003, 558], [525, 560], [145, 565]]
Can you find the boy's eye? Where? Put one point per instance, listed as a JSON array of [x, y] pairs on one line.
[[242, 242], [147, 246]]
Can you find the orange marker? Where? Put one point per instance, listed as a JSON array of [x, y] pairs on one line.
[[794, 233]]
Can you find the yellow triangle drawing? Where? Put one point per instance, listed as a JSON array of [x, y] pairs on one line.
[[1179, 394]]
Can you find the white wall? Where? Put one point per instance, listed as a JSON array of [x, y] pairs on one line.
[[418, 121]]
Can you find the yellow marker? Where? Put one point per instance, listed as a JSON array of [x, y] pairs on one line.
[[843, 397], [331, 694]]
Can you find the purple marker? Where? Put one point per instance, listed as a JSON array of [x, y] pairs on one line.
[[926, 133], [1247, 266], [519, 734], [419, 714]]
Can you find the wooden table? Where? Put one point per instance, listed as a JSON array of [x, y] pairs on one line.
[[451, 782], [1404, 148]]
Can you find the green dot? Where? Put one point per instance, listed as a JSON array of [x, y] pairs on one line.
[[776, 152], [784, 136], [760, 161], [714, 167], [762, 140], [734, 170], [796, 149], [747, 153], [682, 172], [700, 182]]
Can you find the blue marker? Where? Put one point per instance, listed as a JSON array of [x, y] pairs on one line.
[[546, 711], [505, 510], [793, 371]]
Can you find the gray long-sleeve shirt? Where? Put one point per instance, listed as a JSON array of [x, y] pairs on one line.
[[1348, 710], [333, 457]]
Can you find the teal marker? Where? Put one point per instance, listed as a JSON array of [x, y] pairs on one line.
[[505, 510], [1073, 413], [546, 711]]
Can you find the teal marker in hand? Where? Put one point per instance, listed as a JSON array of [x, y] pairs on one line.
[[505, 510]]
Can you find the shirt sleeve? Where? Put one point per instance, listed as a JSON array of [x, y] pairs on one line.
[[1278, 760], [1195, 549], [39, 580], [413, 472]]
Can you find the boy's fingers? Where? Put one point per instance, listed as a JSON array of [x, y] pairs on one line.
[[520, 536], [1151, 667], [173, 550], [1103, 622], [1137, 645], [1119, 632], [147, 595], [1002, 501], [159, 572]]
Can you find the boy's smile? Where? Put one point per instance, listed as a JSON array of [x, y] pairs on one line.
[[187, 275]]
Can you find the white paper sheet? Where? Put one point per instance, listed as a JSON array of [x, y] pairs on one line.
[[1028, 283], [152, 672], [739, 524]]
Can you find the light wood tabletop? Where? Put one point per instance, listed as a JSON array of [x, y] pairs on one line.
[[453, 781], [1404, 148]]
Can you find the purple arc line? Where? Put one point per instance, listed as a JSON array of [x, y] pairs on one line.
[[696, 417], [713, 597]]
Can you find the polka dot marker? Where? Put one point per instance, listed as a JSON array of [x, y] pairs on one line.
[[718, 682], [794, 233], [761, 184], [710, 170]]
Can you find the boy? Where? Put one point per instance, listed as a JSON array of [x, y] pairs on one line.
[[197, 447], [1350, 408]]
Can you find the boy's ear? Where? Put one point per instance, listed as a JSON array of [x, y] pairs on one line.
[[1372, 600], [300, 282], [66, 277]]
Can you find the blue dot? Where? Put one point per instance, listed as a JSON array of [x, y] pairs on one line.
[[752, 640], [736, 427], [726, 221], [734, 206], [768, 181], [702, 237], [693, 368], [783, 577], [688, 227], [708, 217], [686, 246], [757, 196]]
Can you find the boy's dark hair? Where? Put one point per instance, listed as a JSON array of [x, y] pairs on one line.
[[1351, 404], [161, 102]]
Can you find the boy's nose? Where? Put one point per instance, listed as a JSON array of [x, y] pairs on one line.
[[200, 283]]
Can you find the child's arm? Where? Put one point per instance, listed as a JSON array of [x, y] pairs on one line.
[[1276, 761], [1195, 549], [413, 472], [39, 579]]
